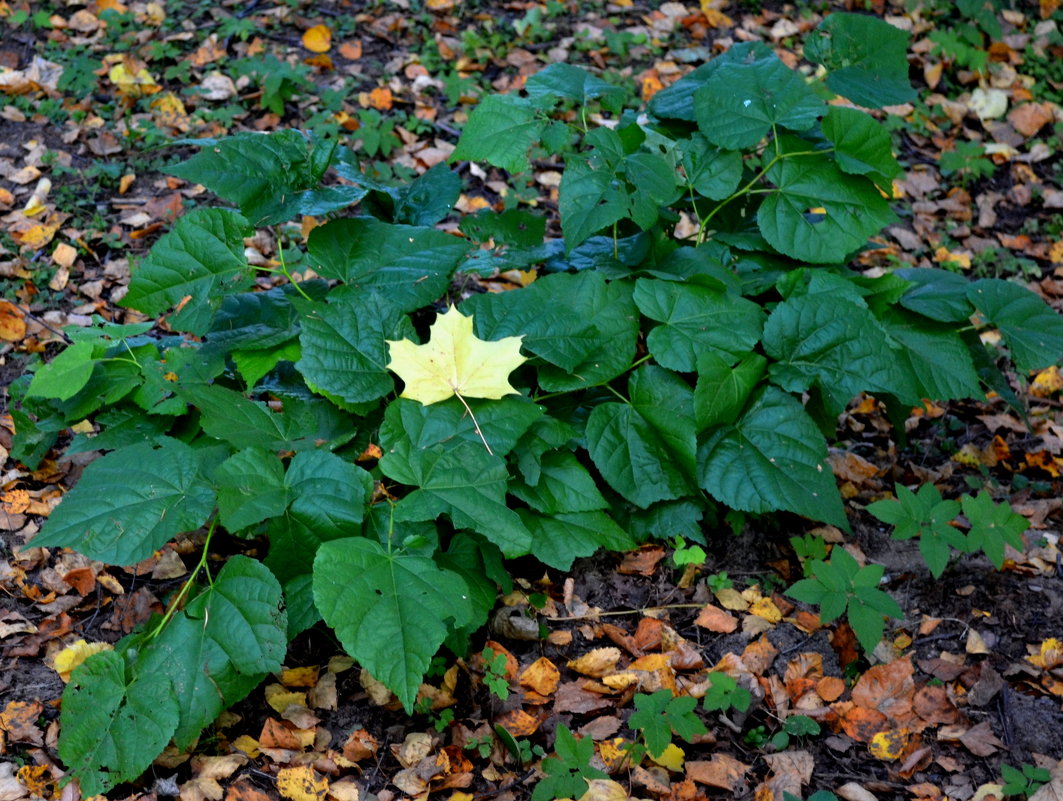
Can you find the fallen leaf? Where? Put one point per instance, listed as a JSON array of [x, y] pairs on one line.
[[541, 675], [317, 39], [604, 790], [301, 784], [715, 619], [455, 362], [380, 98], [73, 655], [980, 740], [12, 322], [597, 663], [721, 771], [888, 745]]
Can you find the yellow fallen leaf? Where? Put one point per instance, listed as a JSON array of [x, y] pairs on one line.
[[317, 39], [132, 82], [888, 745], [455, 362], [73, 655], [671, 758], [301, 784], [604, 790], [280, 698], [597, 663]]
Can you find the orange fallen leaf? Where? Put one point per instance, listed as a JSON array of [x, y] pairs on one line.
[[12, 322], [541, 675], [380, 98], [641, 562], [317, 39], [830, 688], [351, 50], [715, 619], [518, 723]]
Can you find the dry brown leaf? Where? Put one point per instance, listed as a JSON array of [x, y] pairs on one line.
[[715, 619], [980, 740], [721, 771]]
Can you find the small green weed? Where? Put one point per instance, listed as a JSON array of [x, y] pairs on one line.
[[568, 769], [660, 715], [1023, 781]]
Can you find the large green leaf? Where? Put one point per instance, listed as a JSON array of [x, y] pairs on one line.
[[221, 645], [819, 214], [611, 311], [712, 172], [130, 503], [250, 488], [114, 727], [861, 145], [724, 387], [740, 103], [773, 458], [937, 356], [696, 320], [564, 485], [257, 320], [465, 481], [344, 350], [591, 198], [839, 345], [409, 265], [645, 449], [677, 101], [564, 81], [866, 59], [559, 539], [327, 502], [937, 294], [202, 259], [65, 375], [389, 609], [270, 176], [244, 423], [501, 130], [553, 331], [1032, 331], [410, 427]]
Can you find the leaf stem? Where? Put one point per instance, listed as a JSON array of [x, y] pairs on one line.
[[287, 274], [475, 423], [176, 603]]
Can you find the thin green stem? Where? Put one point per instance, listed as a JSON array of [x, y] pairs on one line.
[[287, 274], [178, 600]]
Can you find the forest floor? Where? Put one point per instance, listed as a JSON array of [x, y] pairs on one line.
[[95, 99]]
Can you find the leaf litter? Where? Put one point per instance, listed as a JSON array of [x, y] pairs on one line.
[[973, 671]]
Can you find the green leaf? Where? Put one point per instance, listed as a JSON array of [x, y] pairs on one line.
[[937, 356], [327, 501], [257, 320], [465, 481], [409, 265], [272, 177], [773, 457], [221, 645], [835, 343], [819, 214], [924, 515], [714, 173], [650, 716], [677, 101], [862, 146], [254, 364], [696, 320], [1032, 331], [201, 258], [867, 624], [645, 449], [591, 198], [564, 81], [250, 487], [866, 59], [937, 294], [567, 771], [500, 130], [65, 375], [389, 609], [130, 503], [740, 103], [516, 227], [992, 526], [244, 423], [344, 350], [724, 387], [429, 197], [114, 727], [560, 539], [723, 693], [564, 485], [410, 427], [612, 313], [553, 330]]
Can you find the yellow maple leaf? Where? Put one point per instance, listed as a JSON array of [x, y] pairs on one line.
[[455, 362]]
